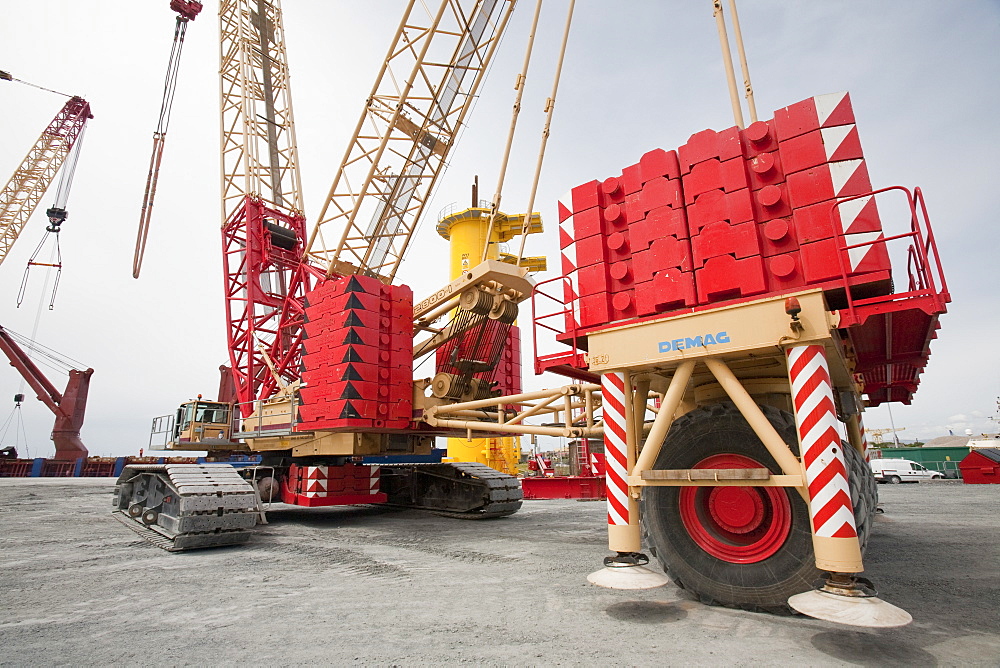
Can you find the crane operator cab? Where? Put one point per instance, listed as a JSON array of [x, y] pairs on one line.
[[197, 425]]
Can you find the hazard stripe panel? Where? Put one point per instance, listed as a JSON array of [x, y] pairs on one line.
[[822, 453], [613, 393]]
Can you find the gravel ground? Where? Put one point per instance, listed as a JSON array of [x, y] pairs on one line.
[[367, 585]]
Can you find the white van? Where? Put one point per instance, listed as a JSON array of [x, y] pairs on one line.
[[896, 471]]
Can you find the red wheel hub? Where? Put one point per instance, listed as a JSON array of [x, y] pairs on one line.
[[741, 525], [736, 509]]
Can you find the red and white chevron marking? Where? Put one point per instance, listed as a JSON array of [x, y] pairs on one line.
[[864, 439], [615, 448], [567, 246], [318, 481], [822, 454]]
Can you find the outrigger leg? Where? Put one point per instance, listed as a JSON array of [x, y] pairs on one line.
[[841, 596], [627, 569]]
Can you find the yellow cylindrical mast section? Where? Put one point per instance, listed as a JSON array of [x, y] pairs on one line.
[[467, 231]]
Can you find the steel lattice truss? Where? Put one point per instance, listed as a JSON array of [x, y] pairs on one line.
[[265, 287], [21, 195], [411, 119], [259, 154], [263, 229]]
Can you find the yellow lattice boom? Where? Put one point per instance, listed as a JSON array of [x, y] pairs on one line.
[[21, 195]]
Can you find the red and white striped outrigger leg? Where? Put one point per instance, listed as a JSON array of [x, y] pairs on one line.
[[864, 439], [835, 536], [623, 521]]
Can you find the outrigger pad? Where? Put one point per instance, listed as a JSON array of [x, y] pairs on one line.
[[869, 611], [628, 577]]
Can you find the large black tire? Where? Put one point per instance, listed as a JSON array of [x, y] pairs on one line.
[[864, 494], [768, 557]]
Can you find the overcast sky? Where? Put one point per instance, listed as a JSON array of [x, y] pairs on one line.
[[923, 77]]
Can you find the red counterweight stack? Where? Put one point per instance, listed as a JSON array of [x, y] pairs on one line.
[[358, 361], [724, 246], [735, 214], [660, 235], [508, 372]]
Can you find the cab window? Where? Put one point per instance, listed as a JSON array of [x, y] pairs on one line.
[[187, 414], [214, 413]]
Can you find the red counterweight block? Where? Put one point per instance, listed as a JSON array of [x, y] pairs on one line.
[[631, 179], [588, 223], [332, 485], [715, 205], [710, 145], [614, 218], [660, 192], [825, 219], [777, 236], [812, 149], [571, 293], [669, 289], [591, 250], [659, 223], [623, 305], [568, 256], [612, 191], [820, 259], [771, 202], [729, 175], [617, 247], [765, 169], [759, 137], [721, 238], [659, 163], [508, 374], [595, 310], [828, 181], [601, 283], [394, 399], [783, 273], [594, 280], [822, 111], [725, 277], [664, 253], [580, 198]]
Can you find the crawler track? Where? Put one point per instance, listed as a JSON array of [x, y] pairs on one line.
[[186, 506], [459, 489]]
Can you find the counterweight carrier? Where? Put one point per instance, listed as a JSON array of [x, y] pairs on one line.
[[743, 282]]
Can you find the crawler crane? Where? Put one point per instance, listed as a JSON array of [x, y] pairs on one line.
[[321, 343], [737, 288]]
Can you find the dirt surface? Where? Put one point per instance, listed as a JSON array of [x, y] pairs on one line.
[[367, 585]]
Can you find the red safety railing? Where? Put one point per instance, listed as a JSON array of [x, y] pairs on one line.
[[58, 469], [924, 271], [15, 468], [98, 467], [567, 333]]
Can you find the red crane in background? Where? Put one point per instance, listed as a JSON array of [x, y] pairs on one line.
[[186, 10], [68, 406], [18, 200], [20, 197]]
